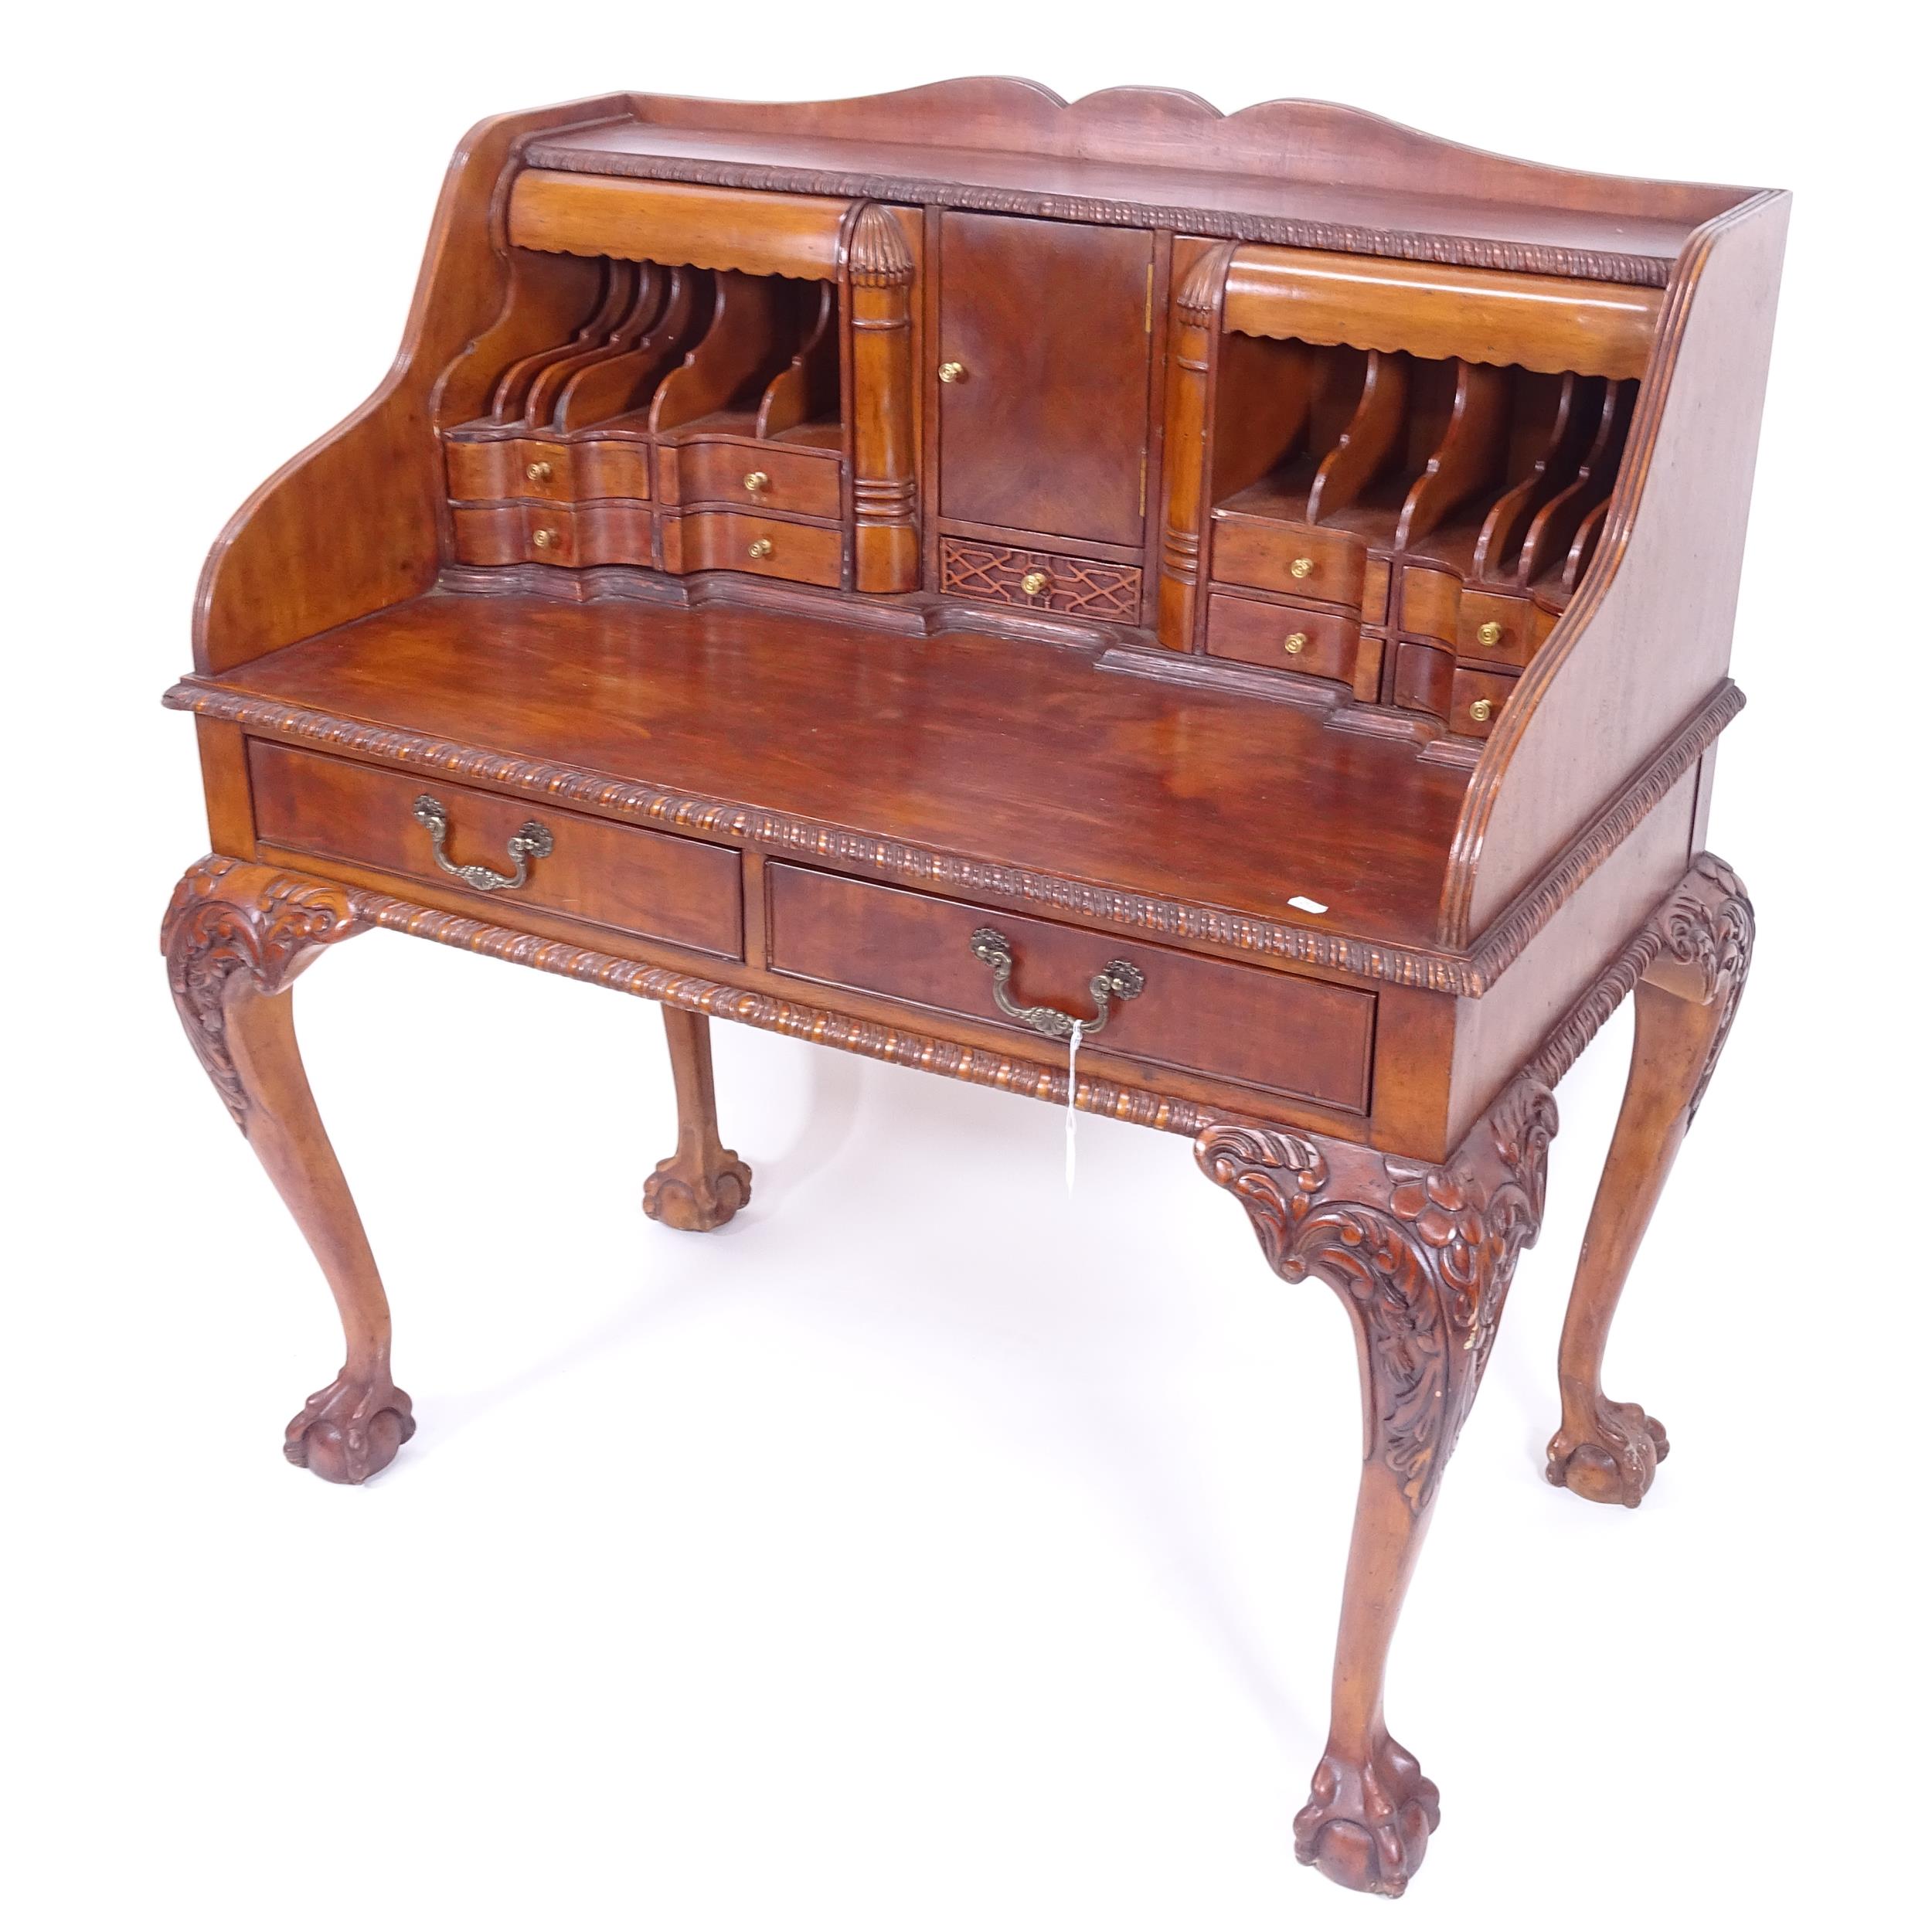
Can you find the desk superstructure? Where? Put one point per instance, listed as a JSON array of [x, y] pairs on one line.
[[916, 573]]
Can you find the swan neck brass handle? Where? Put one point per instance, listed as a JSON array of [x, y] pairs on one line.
[[530, 840], [1119, 979]]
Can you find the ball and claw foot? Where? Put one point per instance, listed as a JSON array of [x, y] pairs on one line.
[[348, 1431], [697, 1197], [1614, 1461], [1367, 1826]]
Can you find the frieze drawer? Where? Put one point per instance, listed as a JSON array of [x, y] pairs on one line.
[[1040, 580], [1269, 1030], [682, 891]]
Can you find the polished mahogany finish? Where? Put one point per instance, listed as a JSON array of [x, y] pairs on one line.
[[964, 578]]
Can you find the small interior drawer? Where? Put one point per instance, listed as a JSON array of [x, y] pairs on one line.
[[1284, 637], [1424, 678], [1328, 567], [1375, 591], [1492, 629], [1476, 700], [587, 533], [764, 546], [761, 478], [682, 891], [548, 472], [1269, 1030], [1430, 600]]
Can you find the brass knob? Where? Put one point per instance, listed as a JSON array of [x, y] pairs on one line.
[[756, 480], [761, 548], [537, 472], [1302, 566], [1489, 634], [1480, 710], [543, 538], [1295, 643], [952, 372], [1033, 582]]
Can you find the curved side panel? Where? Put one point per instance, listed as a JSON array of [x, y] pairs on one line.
[[1647, 637], [349, 526]]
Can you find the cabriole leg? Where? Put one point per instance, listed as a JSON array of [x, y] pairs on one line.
[[1422, 1256], [235, 937], [1608, 1451], [704, 1183]]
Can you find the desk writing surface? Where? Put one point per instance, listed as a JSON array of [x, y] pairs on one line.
[[992, 749]]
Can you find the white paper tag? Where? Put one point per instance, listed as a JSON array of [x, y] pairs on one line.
[[1073, 1086]]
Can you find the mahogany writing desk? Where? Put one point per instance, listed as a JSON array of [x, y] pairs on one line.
[[960, 577]]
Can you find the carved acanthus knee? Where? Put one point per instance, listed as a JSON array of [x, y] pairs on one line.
[[225, 919], [1422, 1254], [1709, 928]]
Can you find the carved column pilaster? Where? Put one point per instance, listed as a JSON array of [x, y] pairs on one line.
[[879, 273], [1197, 307]]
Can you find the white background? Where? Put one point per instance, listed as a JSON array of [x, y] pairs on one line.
[[926, 1550]]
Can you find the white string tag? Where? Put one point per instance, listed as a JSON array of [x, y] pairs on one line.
[[1073, 1086]]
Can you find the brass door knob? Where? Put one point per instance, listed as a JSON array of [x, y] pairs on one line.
[[537, 472], [1295, 643], [1033, 582], [1489, 634], [1302, 566], [543, 538], [952, 372], [1481, 710], [756, 480], [762, 547]]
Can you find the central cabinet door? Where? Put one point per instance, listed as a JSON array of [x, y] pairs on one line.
[[1043, 425]]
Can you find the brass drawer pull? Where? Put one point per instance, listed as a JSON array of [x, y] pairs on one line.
[[757, 479], [761, 548], [531, 841], [1117, 979], [537, 472], [952, 372], [1033, 582]]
